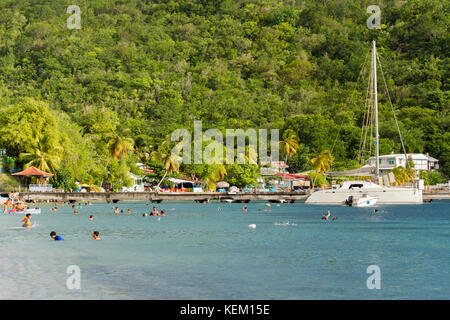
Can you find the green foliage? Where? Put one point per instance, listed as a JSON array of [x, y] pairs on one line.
[[136, 70], [63, 179], [242, 175]]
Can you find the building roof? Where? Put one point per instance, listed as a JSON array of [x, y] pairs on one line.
[[402, 155], [32, 171], [290, 176], [181, 180]]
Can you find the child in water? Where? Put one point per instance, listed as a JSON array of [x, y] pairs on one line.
[[55, 237], [91, 217], [26, 220]]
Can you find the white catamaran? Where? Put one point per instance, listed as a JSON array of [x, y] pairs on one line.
[[352, 192]]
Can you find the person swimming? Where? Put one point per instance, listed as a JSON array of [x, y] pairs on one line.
[[326, 216], [26, 220], [95, 235], [91, 217], [129, 211], [244, 209], [55, 237], [116, 210], [154, 212], [162, 213]]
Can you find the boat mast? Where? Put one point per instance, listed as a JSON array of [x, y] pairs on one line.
[[377, 149]]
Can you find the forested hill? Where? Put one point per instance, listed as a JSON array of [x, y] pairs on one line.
[[139, 69]]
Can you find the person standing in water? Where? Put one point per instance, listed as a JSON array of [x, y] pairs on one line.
[[26, 221], [154, 212]]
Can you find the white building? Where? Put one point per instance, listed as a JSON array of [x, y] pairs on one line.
[[138, 184], [390, 161]]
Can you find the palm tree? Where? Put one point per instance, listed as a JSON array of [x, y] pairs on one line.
[[170, 162], [322, 163], [289, 145], [45, 156], [218, 173], [119, 146]]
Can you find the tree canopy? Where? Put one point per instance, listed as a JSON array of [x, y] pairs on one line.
[[109, 93]]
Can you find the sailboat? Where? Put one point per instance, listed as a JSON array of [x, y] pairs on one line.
[[352, 191]]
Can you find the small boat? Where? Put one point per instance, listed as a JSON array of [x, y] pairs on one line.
[[277, 201], [364, 201], [27, 211]]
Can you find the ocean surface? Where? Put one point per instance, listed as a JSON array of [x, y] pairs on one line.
[[208, 251]]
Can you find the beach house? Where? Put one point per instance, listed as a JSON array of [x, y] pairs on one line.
[[390, 161]]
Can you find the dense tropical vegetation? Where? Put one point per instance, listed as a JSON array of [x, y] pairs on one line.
[[89, 103]]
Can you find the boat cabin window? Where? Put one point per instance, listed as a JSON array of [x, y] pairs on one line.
[[356, 185]]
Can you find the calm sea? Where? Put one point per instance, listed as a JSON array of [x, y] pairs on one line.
[[208, 251]]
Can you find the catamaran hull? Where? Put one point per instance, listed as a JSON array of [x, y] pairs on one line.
[[384, 196]]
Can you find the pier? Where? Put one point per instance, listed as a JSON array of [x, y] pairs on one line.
[[288, 197], [114, 197]]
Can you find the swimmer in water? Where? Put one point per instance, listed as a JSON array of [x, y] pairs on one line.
[[26, 220], [245, 208], [55, 237], [116, 210], [95, 235], [91, 217], [75, 212], [162, 213], [128, 211], [154, 212]]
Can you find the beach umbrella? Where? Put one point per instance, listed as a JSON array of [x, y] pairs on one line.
[[222, 184]]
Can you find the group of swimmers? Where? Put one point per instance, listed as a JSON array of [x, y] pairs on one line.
[[155, 212], [27, 224], [95, 235]]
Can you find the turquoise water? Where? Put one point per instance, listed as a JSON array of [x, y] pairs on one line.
[[199, 252]]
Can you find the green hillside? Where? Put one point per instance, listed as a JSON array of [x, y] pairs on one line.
[[93, 101]]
